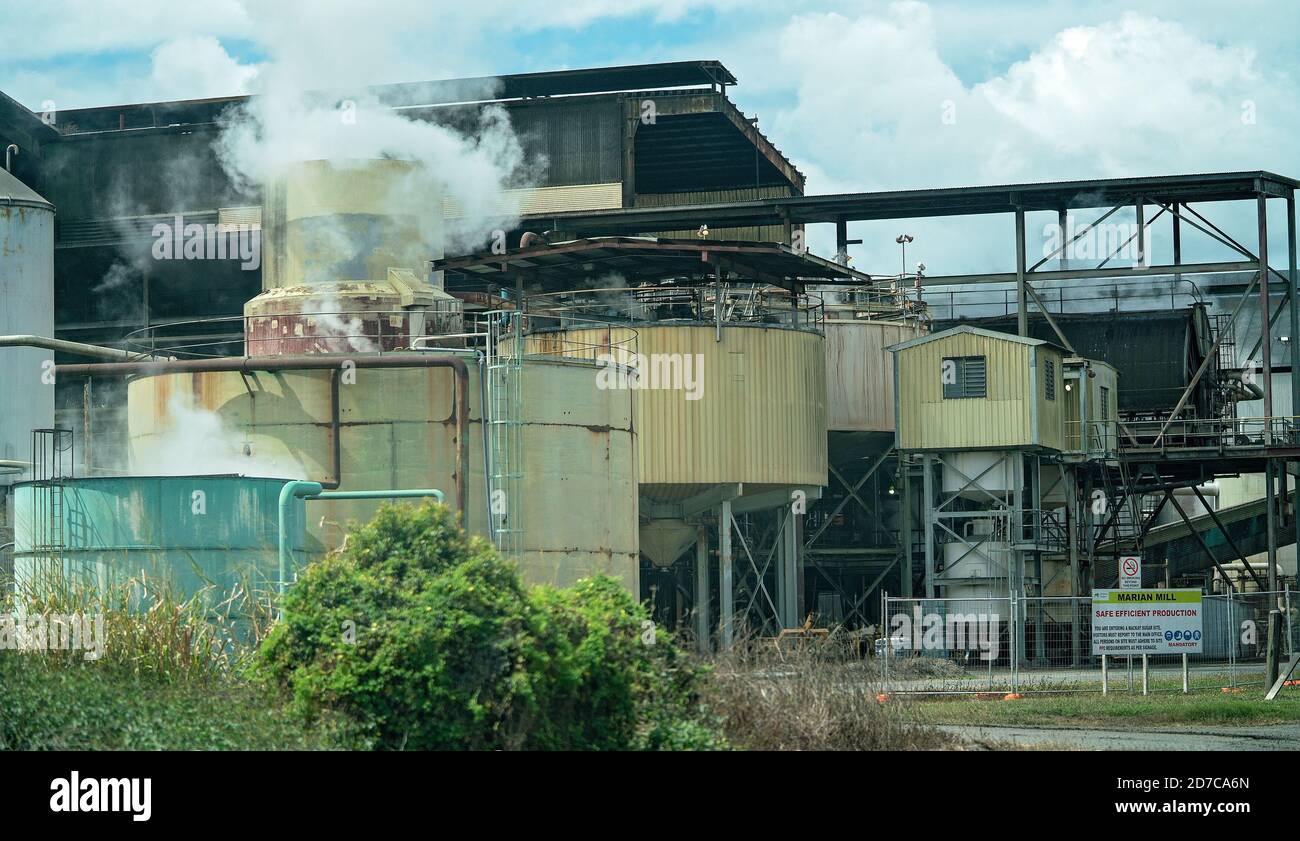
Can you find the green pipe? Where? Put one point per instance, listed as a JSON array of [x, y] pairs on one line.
[[313, 490]]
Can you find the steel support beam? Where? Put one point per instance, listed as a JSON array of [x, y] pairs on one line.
[[1232, 544], [703, 630], [1265, 338], [1022, 305], [1293, 284], [726, 591], [1201, 540]]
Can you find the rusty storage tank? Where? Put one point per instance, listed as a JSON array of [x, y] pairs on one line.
[[396, 427]]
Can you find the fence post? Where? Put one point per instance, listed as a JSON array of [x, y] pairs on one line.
[[1015, 641], [1290, 638], [889, 638], [1144, 674], [1232, 637], [1185, 681], [1104, 688]]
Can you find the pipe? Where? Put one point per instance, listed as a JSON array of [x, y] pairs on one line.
[[312, 362], [10, 151], [78, 348], [314, 490], [291, 491], [1242, 390], [336, 435], [487, 466]]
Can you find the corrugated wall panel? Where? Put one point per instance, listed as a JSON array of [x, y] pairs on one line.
[[928, 421], [1051, 414], [759, 233], [548, 200], [761, 416], [860, 373]]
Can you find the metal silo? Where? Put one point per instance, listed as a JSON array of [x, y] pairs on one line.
[[315, 396], [26, 308], [731, 434]]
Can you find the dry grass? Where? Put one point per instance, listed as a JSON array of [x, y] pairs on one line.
[[812, 698], [147, 630]]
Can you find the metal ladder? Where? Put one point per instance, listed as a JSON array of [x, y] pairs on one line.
[[504, 431], [52, 466]]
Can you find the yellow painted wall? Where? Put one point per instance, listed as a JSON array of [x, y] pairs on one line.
[[928, 421], [1051, 413]]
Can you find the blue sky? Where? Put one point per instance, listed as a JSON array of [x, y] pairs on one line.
[[858, 94]]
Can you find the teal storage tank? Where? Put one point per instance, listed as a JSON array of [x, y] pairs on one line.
[[190, 532]]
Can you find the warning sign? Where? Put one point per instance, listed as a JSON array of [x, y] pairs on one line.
[[1146, 621], [1130, 573]]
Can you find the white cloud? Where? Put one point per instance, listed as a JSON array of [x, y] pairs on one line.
[[1136, 95], [194, 67]]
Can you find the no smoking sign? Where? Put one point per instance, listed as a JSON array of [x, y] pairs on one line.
[[1130, 572]]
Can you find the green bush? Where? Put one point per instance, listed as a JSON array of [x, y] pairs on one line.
[[414, 631], [427, 639], [607, 679], [66, 705]]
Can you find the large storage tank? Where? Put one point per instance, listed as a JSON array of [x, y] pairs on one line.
[[758, 418], [185, 533], [397, 430], [26, 307], [860, 372]]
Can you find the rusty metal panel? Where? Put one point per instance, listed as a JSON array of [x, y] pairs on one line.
[[398, 431]]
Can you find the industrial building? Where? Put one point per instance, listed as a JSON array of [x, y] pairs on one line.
[[654, 379]]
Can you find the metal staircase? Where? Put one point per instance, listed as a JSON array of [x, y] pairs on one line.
[[504, 432]]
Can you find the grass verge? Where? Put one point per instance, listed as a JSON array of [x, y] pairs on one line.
[[1094, 710]]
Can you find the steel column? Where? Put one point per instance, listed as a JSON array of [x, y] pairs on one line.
[[1265, 337], [1022, 307], [726, 593], [703, 631], [1294, 283], [927, 486]]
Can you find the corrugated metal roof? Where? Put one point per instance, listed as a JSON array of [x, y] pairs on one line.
[[639, 259]]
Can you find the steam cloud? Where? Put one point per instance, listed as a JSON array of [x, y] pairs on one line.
[[196, 441]]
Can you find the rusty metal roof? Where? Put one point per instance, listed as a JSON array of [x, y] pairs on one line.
[[564, 265]]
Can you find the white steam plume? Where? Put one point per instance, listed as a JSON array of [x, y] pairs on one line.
[[472, 165], [195, 441]]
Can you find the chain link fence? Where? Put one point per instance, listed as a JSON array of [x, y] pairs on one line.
[[1044, 644]]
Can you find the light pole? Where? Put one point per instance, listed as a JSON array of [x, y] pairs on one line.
[[903, 240]]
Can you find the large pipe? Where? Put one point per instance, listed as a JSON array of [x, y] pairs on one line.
[[313, 490], [311, 362], [78, 348]]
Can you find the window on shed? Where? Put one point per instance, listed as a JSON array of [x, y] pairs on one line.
[[1049, 379], [965, 376]]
